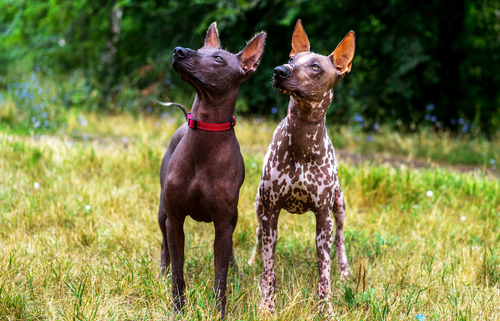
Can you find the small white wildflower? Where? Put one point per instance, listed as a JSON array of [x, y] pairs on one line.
[[36, 185], [88, 207], [475, 247], [125, 140], [463, 218], [415, 206], [58, 203], [429, 194]]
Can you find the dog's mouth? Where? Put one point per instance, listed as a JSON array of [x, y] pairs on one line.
[[278, 83], [185, 74], [283, 90]]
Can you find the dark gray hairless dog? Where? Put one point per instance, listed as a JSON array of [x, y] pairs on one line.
[[300, 170], [202, 170]]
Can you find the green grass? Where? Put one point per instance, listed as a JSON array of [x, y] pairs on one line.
[[426, 144], [83, 243]]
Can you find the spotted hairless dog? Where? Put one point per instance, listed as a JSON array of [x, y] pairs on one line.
[[202, 169], [300, 170]]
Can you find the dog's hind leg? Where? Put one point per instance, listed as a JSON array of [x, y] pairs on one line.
[[165, 255], [257, 251], [232, 260], [162, 214], [339, 241]]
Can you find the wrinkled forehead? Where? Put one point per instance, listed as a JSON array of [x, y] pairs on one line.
[[209, 51], [311, 58], [212, 51]]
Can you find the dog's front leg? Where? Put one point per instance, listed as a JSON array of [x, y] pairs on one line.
[[223, 251], [339, 214], [175, 236], [324, 232], [269, 237]]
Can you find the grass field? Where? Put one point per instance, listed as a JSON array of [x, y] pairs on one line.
[[79, 238]]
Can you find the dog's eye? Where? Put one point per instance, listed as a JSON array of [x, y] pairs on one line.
[[218, 58], [290, 60], [315, 67]]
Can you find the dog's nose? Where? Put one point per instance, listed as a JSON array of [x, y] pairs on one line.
[[282, 72], [180, 52]]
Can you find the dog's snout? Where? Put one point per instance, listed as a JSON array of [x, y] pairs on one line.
[[180, 52], [282, 72]]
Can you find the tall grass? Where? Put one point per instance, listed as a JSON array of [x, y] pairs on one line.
[[79, 237]]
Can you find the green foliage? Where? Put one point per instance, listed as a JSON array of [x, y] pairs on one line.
[[432, 63]]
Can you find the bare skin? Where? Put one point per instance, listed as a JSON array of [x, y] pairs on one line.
[[300, 168], [202, 172]]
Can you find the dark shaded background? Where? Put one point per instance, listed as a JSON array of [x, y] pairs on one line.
[[417, 63]]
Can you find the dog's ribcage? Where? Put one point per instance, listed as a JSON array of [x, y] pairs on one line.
[[299, 181]]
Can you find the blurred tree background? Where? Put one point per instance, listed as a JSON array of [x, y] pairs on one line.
[[417, 63]]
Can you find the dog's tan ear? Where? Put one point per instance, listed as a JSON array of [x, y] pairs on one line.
[[343, 54], [212, 38], [250, 55], [300, 42]]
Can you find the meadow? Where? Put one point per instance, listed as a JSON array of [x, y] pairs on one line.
[[79, 238]]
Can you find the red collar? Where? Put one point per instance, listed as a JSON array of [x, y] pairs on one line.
[[209, 127]]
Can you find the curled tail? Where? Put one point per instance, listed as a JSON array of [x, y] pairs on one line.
[[177, 105]]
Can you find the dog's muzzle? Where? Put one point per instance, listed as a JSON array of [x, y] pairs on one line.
[[181, 53], [281, 72]]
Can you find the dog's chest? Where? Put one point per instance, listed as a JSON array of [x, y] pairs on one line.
[[299, 181]]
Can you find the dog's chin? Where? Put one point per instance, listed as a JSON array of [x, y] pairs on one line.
[[185, 76], [293, 93], [282, 88]]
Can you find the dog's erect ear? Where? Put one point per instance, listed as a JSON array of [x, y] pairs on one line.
[[300, 42], [343, 54], [212, 38], [250, 55]]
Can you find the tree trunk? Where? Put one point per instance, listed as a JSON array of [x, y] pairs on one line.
[[108, 57]]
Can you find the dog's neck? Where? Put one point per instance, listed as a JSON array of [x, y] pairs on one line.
[[213, 109], [312, 110], [306, 123]]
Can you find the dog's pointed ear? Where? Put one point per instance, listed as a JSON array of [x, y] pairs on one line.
[[212, 38], [250, 55], [343, 54], [300, 42]]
